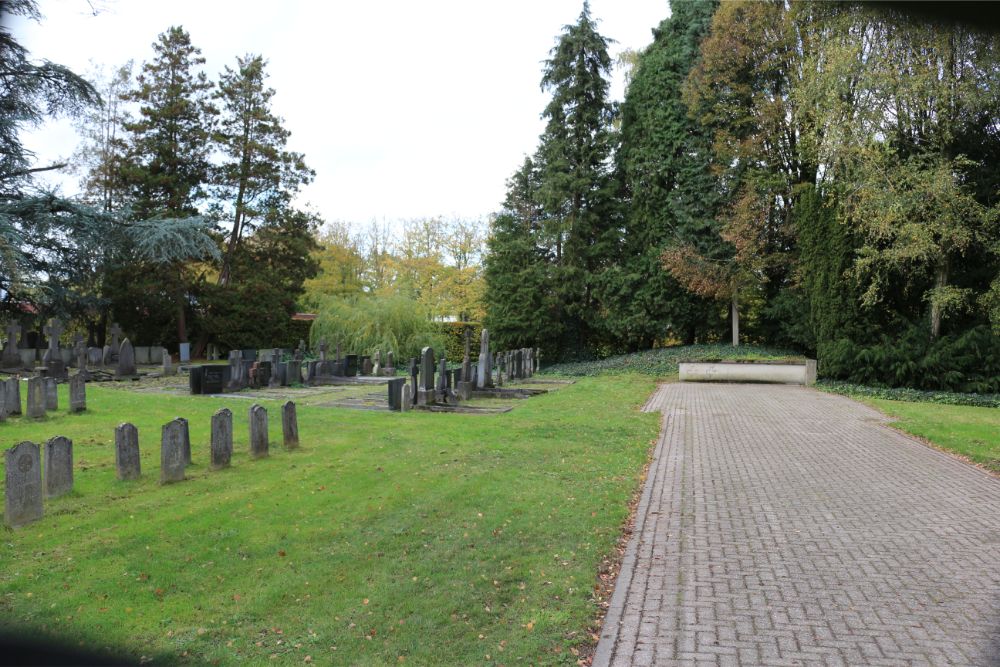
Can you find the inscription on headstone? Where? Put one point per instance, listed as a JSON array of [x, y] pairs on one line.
[[127, 463], [23, 485], [212, 379], [58, 466], [258, 431], [222, 438]]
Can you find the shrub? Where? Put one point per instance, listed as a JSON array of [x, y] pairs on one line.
[[366, 324]]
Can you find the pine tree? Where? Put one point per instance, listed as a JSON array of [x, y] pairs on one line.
[[575, 186], [258, 174], [664, 162]]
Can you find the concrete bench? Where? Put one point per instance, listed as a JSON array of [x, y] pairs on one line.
[[781, 372]]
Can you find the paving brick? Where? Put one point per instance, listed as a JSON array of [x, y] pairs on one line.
[[783, 526]]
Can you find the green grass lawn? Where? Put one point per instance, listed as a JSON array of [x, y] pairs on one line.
[[973, 432], [388, 538]]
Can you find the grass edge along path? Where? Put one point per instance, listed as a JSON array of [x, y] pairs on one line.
[[389, 538]]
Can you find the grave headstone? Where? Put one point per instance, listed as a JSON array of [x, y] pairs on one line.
[[12, 396], [168, 364], [52, 360], [172, 461], [222, 438], [351, 365], [442, 379], [115, 345], [81, 355], [36, 397], [390, 364], [3, 401], [126, 360], [484, 372], [258, 431], [366, 366], [425, 392], [405, 397], [413, 377], [51, 393], [107, 356], [276, 369], [58, 466], [127, 465], [289, 425], [213, 379], [11, 356], [323, 348], [23, 485], [95, 356], [77, 393], [195, 379], [397, 386]]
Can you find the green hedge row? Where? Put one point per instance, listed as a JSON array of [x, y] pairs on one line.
[[914, 395]]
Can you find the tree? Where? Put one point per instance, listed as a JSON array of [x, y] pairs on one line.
[[169, 152], [665, 165], [257, 174]]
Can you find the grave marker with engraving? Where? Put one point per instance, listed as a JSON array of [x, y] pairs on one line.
[[222, 438], [127, 464], [58, 466], [23, 485]]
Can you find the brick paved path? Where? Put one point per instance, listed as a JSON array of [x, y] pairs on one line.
[[783, 526]]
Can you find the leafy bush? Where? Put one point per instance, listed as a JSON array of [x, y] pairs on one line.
[[914, 395], [454, 340], [364, 325], [664, 361]]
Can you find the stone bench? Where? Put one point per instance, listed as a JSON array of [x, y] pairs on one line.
[[781, 372]]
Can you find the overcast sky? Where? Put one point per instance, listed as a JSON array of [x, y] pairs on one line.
[[404, 109]]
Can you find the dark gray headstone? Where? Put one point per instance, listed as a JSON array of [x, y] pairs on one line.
[[11, 356], [13, 396], [366, 366], [127, 451], [78, 393], [95, 357], [289, 425], [172, 461], [58, 466], [36, 397], [442, 377], [396, 388], [222, 438], [194, 379], [427, 369], [23, 485], [351, 365], [107, 356], [126, 360], [51, 393], [213, 379], [258, 432], [3, 401], [484, 372], [276, 368]]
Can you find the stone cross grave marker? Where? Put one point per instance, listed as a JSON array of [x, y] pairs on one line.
[[51, 393], [116, 331], [289, 425], [258, 431], [58, 466], [127, 465], [126, 360], [36, 397], [53, 330], [23, 485], [172, 462], [11, 356], [222, 438], [77, 393], [323, 349]]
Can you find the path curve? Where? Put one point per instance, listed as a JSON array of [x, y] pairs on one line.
[[783, 526]]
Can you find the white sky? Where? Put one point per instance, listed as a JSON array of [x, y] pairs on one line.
[[404, 109]]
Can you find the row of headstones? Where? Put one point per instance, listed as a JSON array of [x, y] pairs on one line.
[[24, 492], [43, 396], [55, 359], [518, 364]]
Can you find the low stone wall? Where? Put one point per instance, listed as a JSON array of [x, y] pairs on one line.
[[762, 371]]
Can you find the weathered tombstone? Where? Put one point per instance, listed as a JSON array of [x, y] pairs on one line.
[[3, 401], [366, 366], [484, 372], [425, 392], [115, 346], [172, 462], [212, 379], [127, 463], [51, 393], [186, 433], [107, 356], [441, 386], [52, 360], [276, 369], [397, 387], [289, 425], [126, 360], [222, 438], [258, 431], [12, 396], [351, 365], [390, 364], [413, 378], [58, 466], [323, 348], [11, 356], [95, 357], [168, 364], [78, 392], [195, 379], [23, 485], [36, 397]]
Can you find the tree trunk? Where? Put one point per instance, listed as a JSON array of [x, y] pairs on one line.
[[940, 280], [736, 320], [181, 315]]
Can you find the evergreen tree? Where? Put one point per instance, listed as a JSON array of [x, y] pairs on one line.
[[257, 174], [664, 162], [575, 187]]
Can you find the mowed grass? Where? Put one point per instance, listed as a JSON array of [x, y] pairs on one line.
[[973, 432], [387, 538]]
